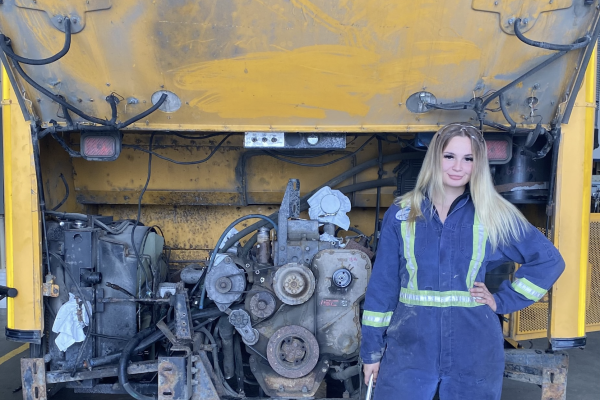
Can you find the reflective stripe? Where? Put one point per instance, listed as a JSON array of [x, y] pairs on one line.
[[430, 298], [408, 237], [479, 240], [528, 289], [376, 319]]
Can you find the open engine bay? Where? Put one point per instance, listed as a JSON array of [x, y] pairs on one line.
[[275, 317]]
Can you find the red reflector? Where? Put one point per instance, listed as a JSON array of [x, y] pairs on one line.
[[497, 150], [99, 146]]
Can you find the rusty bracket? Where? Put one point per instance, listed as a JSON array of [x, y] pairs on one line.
[[33, 378], [49, 288], [174, 378], [546, 369]]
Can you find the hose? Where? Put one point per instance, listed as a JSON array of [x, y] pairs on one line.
[[218, 246], [154, 337], [67, 192], [5, 45], [226, 333], [124, 361], [506, 114], [578, 44], [346, 373], [331, 183]]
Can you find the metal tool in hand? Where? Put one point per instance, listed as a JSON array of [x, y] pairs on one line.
[[370, 388]]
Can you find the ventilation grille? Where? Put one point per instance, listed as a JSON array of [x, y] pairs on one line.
[[593, 303]]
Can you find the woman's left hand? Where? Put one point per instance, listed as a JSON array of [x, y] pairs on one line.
[[482, 295]]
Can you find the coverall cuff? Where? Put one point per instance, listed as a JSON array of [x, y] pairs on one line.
[[499, 305], [371, 358]]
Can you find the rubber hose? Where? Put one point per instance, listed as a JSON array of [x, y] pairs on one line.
[[124, 361], [331, 183], [226, 333], [579, 43]]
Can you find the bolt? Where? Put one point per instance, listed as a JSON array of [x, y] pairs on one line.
[[400, 104], [194, 370], [307, 248], [304, 389], [227, 260], [39, 100], [162, 86], [511, 21], [79, 100], [257, 272], [495, 3], [536, 86], [552, 103], [525, 21], [60, 20], [107, 84], [147, 122], [92, 100], [247, 265], [324, 370], [74, 20], [262, 280], [281, 389]]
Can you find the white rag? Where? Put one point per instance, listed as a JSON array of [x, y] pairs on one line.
[[330, 206], [69, 323]]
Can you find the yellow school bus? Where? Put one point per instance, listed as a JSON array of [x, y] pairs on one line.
[[194, 189]]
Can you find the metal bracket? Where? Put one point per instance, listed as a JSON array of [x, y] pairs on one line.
[[33, 378], [174, 378], [59, 10], [290, 208], [548, 370], [527, 10]]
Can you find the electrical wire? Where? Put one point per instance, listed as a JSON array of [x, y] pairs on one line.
[[139, 212], [149, 151], [5, 45], [378, 199], [578, 44], [67, 192], [218, 246]]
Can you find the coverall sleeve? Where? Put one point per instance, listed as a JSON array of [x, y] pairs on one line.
[[541, 265], [383, 290]]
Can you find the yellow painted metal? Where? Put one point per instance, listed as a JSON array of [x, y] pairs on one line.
[[299, 65], [567, 312], [23, 240]]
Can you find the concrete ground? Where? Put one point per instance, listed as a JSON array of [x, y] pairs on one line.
[[583, 379]]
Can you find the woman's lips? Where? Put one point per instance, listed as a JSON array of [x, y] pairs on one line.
[[456, 177]]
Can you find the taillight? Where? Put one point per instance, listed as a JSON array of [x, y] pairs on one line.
[[96, 146], [499, 148]]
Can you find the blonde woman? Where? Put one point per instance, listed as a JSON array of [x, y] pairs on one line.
[[429, 320]]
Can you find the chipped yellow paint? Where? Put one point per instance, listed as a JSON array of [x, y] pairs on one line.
[[317, 78]]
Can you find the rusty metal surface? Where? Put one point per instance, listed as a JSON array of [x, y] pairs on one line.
[[174, 380], [546, 369], [100, 372], [49, 288], [293, 351], [33, 378], [183, 321], [278, 386], [204, 389]]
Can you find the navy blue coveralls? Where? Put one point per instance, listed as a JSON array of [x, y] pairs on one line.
[[420, 317]]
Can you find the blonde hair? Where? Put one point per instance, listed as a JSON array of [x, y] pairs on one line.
[[502, 221]]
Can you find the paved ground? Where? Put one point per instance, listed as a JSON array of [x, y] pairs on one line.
[[583, 383]]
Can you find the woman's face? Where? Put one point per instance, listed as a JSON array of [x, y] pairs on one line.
[[457, 162]]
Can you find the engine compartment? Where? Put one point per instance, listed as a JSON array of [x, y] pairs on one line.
[[278, 316]]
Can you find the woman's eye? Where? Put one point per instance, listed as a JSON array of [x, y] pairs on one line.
[[469, 159], [448, 157]]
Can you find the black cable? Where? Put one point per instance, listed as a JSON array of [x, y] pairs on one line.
[[131, 146], [323, 164], [139, 211], [67, 192], [57, 99], [331, 183], [351, 229], [578, 44], [378, 198], [124, 361], [506, 114], [522, 77], [291, 155], [40, 188], [5, 45]]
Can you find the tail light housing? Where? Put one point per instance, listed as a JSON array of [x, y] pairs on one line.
[[100, 146]]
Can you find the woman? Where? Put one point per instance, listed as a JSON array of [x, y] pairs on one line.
[[429, 319]]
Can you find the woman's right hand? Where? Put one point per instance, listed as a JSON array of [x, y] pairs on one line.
[[370, 369]]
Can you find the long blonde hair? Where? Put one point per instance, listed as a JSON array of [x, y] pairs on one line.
[[502, 221]]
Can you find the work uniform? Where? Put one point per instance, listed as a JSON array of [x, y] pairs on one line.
[[419, 318]]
